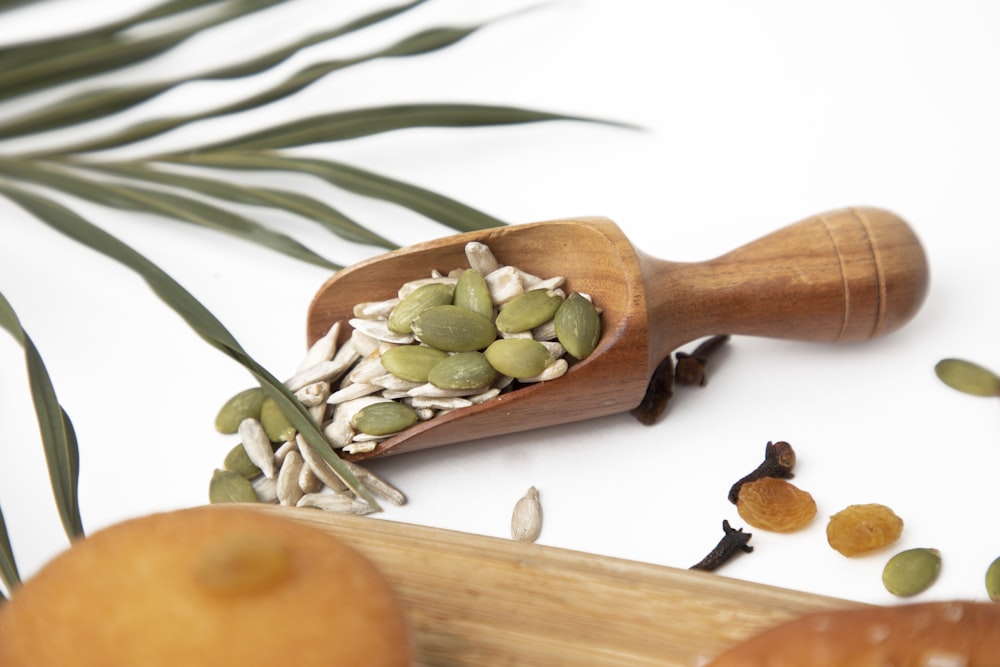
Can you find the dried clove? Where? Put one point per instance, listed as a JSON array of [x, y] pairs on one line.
[[732, 543], [779, 459], [658, 393], [691, 367]]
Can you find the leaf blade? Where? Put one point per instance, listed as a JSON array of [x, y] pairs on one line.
[[199, 318], [447, 211], [58, 438]]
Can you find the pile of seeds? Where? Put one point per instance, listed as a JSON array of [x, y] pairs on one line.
[[444, 342]]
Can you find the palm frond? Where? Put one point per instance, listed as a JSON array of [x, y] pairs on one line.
[[360, 181], [57, 62], [104, 102], [58, 438], [9, 574], [179, 207], [199, 318]]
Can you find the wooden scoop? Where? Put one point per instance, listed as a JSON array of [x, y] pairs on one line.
[[846, 275]]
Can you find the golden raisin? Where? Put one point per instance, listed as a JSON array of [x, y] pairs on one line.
[[858, 529], [775, 504]]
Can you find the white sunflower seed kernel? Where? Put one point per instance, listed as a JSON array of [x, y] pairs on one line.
[[504, 284], [545, 331], [379, 330], [313, 394], [377, 485], [375, 310], [334, 502], [288, 489], [362, 343], [308, 481], [393, 383], [554, 370], [282, 451], [352, 392], [323, 349], [266, 489], [406, 288], [526, 521], [481, 258], [483, 397], [257, 446], [430, 391], [357, 447], [449, 403], [319, 466]]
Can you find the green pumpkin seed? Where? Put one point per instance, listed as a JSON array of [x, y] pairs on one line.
[[416, 302], [239, 462], [453, 329], [244, 405], [529, 310], [912, 571], [993, 580], [411, 362], [473, 293], [518, 357], [275, 423], [384, 418], [968, 377], [578, 326], [230, 487], [464, 370]]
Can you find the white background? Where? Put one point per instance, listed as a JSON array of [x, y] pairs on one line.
[[754, 115]]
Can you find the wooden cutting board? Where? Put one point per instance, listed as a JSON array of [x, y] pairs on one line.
[[476, 600]]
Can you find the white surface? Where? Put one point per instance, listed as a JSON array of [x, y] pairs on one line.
[[755, 115]]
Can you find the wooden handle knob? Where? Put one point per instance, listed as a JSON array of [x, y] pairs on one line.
[[846, 275]]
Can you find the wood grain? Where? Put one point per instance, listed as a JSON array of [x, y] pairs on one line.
[[846, 275], [474, 600]]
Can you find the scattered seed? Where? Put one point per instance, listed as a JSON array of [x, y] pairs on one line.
[[526, 521], [376, 484], [288, 489], [237, 461], [227, 486], [323, 349], [319, 466], [244, 405], [968, 377], [993, 580], [274, 422], [335, 502], [912, 571], [257, 445], [266, 489]]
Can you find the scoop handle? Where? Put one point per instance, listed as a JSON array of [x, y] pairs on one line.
[[845, 275]]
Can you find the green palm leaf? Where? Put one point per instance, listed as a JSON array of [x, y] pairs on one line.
[[58, 438], [104, 102], [9, 575], [437, 207], [193, 312]]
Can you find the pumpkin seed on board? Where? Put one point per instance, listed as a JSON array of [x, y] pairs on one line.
[[275, 423], [239, 462]]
